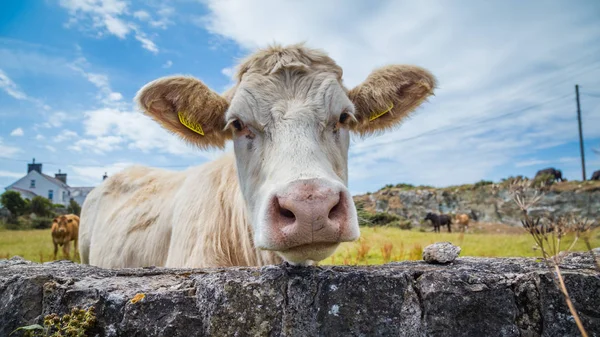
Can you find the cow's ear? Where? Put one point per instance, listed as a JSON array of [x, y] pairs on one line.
[[187, 107], [388, 96]]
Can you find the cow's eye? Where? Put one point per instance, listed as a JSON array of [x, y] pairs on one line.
[[344, 117], [237, 125]]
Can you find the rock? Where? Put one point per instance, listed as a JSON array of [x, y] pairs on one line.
[[470, 297], [489, 203], [440, 252]]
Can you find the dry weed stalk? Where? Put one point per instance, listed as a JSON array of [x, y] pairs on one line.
[[362, 251], [548, 235], [386, 252]]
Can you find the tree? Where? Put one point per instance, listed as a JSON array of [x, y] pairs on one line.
[[41, 206], [13, 202], [74, 207]]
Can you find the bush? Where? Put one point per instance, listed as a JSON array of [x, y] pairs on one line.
[[402, 224], [543, 180], [74, 208], [41, 223], [41, 206], [13, 202], [405, 186], [369, 219], [483, 183]]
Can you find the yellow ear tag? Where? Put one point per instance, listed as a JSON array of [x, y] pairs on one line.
[[197, 128], [379, 114]]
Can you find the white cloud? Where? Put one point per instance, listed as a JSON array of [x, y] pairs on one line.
[[8, 174], [229, 72], [7, 150], [39, 137], [168, 64], [146, 42], [109, 17], [10, 87], [142, 15], [93, 174], [532, 162], [520, 55], [55, 120], [50, 148], [115, 96], [98, 145], [65, 135], [101, 81], [112, 128], [17, 132]]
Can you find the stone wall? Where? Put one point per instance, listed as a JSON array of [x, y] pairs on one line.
[[489, 203], [469, 297]]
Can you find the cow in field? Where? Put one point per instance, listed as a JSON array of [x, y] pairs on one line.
[[439, 220], [595, 175], [556, 174], [281, 195], [65, 228], [463, 221]]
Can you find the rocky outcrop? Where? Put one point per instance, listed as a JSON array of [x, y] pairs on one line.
[[490, 203], [468, 297]]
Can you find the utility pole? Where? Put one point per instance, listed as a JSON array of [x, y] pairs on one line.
[[580, 132]]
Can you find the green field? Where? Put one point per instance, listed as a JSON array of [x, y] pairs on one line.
[[374, 245]]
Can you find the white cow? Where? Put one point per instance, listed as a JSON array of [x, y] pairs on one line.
[[282, 193]]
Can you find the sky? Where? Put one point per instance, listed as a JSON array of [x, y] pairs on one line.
[[505, 104]]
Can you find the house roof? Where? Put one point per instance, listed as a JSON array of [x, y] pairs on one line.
[[75, 191], [55, 181], [24, 192]]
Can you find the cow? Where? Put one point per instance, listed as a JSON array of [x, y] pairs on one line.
[[556, 174], [439, 220], [595, 175], [463, 221], [280, 195], [65, 228]]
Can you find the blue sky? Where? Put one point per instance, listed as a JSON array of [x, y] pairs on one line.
[[505, 104]]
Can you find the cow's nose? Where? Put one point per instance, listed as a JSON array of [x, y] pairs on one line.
[[308, 212]]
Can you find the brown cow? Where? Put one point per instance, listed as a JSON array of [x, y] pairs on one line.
[[463, 222], [65, 228]]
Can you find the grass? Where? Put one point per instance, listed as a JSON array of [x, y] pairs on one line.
[[34, 245], [377, 245]]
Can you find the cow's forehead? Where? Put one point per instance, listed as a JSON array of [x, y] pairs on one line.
[[314, 94]]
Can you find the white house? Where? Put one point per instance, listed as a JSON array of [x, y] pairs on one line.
[[36, 183]]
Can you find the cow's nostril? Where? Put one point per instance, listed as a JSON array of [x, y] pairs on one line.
[[286, 213], [337, 209]]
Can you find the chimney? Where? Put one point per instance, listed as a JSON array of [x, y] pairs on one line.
[[34, 167], [104, 176], [61, 176]]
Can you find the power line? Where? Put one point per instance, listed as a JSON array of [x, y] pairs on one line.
[[468, 125], [590, 94], [84, 165]]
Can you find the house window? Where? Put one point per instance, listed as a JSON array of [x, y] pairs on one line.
[[64, 196], [50, 194], [32, 184]]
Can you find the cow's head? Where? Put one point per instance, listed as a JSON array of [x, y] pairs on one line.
[[290, 119], [61, 224]]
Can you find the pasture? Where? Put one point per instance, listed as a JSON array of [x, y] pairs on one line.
[[377, 245]]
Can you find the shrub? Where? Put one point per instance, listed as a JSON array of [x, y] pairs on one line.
[[483, 183], [369, 219], [41, 223], [13, 202], [74, 207], [405, 186], [542, 180], [41, 206], [402, 224]]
